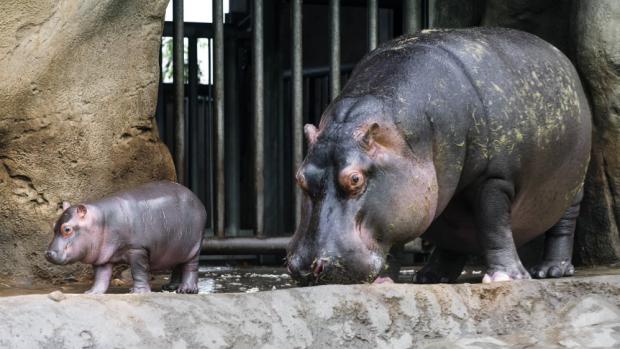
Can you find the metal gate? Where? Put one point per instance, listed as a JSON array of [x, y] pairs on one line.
[[217, 129]]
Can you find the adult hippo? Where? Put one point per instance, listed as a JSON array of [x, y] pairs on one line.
[[479, 139]]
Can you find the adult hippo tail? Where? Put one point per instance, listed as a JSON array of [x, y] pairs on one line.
[[477, 138]]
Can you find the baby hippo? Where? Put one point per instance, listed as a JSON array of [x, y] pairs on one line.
[[156, 226]]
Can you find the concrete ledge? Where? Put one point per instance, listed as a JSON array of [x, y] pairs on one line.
[[574, 312]]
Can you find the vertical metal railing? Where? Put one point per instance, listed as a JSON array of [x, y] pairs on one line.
[[258, 80], [412, 16], [373, 19], [334, 48], [179, 88], [297, 94], [218, 66], [321, 83]]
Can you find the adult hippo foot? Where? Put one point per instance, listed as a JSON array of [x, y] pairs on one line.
[[516, 273], [185, 288], [552, 269]]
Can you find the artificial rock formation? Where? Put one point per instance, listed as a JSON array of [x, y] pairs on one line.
[[77, 101]]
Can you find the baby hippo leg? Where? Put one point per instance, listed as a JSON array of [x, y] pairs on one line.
[[103, 274], [189, 277], [175, 279], [139, 264]]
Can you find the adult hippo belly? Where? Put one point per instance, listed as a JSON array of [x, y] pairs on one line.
[[477, 138]]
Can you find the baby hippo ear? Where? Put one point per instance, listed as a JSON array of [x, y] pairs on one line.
[[81, 211], [65, 205], [311, 133]]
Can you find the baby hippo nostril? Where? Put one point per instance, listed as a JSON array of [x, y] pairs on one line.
[[50, 254]]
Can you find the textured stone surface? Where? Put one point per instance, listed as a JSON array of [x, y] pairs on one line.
[[573, 313], [77, 99], [596, 31]]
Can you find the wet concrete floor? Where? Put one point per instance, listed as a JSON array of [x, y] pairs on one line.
[[248, 279]]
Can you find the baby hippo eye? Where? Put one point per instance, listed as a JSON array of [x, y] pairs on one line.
[[66, 231]]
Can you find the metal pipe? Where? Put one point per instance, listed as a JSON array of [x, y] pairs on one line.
[[373, 38], [179, 88], [193, 178], [411, 16], [270, 245], [298, 99], [334, 45], [257, 44], [218, 67]]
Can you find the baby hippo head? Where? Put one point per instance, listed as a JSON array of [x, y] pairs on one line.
[[75, 236]]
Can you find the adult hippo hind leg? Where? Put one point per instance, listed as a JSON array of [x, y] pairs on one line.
[[494, 226], [559, 245], [442, 267], [175, 279], [189, 277]]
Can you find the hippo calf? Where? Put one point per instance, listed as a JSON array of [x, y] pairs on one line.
[[156, 226], [476, 139]]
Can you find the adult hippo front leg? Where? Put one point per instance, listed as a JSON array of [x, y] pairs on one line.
[[493, 219]]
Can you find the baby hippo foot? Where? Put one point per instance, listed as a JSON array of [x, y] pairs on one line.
[[552, 269], [141, 289], [516, 272], [187, 288]]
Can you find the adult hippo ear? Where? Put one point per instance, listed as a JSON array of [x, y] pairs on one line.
[[376, 139], [65, 205], [81, 211], [311, 134]]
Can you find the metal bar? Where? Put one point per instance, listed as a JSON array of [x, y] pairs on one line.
[[179, 88], [218, 67], [319, 71], [270, 245], [258, 81], [412, 16], [192, 53], [373, 38], [334, 45], [233, 125], [297, 99]]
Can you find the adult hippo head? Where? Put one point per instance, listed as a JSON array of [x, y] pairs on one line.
[[364, 190]]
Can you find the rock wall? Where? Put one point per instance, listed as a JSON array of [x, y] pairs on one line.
[[77, 98], [596, 33]]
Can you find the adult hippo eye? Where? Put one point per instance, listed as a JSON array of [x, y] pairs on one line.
[[352, 182]]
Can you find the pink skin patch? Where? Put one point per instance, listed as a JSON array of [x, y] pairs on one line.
[[497, 276], [383, 280]]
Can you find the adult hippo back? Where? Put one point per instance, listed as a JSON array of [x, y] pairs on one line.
[[479, 139]]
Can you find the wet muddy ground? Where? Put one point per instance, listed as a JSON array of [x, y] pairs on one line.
[[246, 279]]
